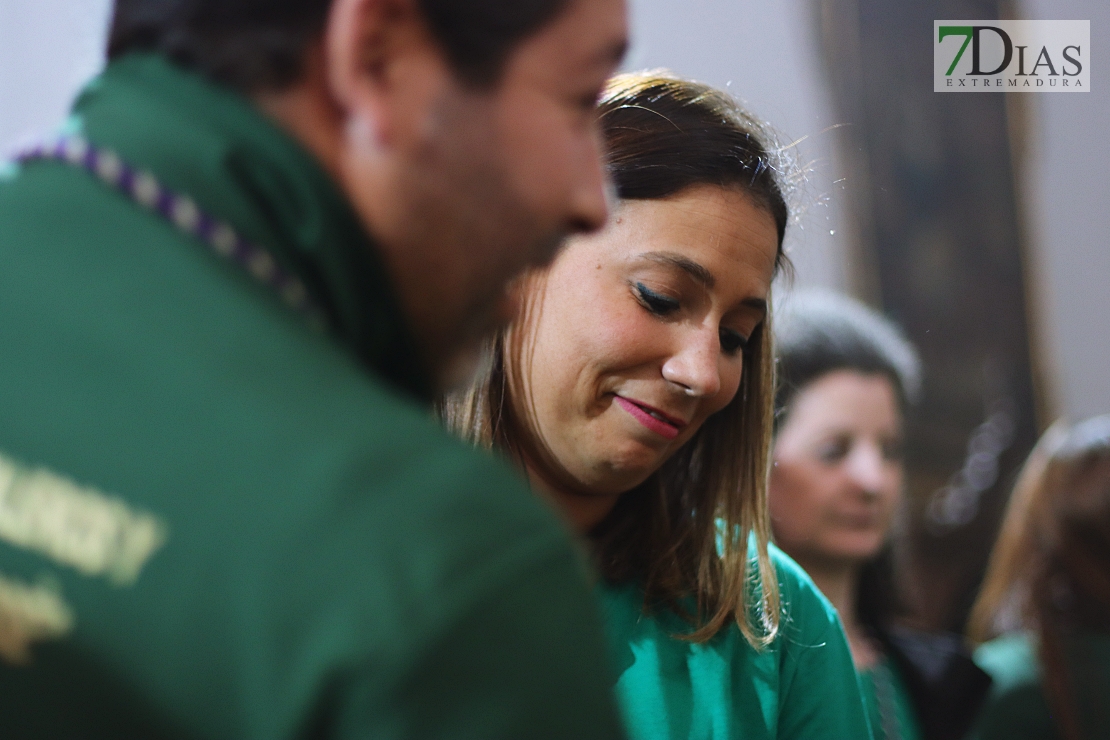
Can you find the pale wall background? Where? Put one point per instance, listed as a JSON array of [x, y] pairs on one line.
[[48, 49], [1067, 189], [766, 53]]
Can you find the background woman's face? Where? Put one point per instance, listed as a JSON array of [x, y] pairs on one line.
[[837, 474], [640, 330]]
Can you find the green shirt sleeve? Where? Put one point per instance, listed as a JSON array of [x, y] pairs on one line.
[[820, 695], [491, 675]]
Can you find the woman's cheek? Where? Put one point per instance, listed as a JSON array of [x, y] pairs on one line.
[[893, 499], [795, 509], [732, 374], [625, 337], [785, 519]]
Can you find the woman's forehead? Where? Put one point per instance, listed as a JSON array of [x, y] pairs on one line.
[[717, 237], [846, 396]]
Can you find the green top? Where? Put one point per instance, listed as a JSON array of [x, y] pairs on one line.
[[802, 686], [216, 522], [1017, 709], [888, 702]]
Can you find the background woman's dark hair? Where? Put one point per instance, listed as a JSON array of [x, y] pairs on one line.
[[255, 45], [684, 533], [1050, 569], [817, 333]]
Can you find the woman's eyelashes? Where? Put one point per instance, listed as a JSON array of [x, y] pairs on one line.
[[656, 303], [833, 451], [732, 341]]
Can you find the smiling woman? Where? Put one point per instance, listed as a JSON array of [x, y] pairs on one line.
[[637, 338], [635, 389]]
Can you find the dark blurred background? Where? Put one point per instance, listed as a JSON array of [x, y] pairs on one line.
[[977, 221]]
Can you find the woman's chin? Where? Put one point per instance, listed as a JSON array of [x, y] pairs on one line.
[[617, 474], [612, 461], [625, 474]]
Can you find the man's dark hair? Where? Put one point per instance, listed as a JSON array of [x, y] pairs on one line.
[[257, 45]]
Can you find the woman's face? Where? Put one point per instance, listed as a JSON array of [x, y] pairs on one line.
[[837, 474], [639, 333]]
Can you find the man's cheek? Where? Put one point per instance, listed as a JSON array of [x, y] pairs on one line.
[[544, 141]]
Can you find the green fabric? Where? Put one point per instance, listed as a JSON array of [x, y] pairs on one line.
[[334, 565], [895, 712], [802, 686], [1017, 708], [212, 145]]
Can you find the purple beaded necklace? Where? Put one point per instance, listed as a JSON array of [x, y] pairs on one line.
[[181, 211]]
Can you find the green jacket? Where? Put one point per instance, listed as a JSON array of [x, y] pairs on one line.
[[218, 522], [801, 687]]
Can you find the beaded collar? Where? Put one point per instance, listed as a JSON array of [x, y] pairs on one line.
[[183, 213]]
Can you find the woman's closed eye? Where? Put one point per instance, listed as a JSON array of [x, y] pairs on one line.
[[732, 341], [659, 304], [656, 303], [833, 451]]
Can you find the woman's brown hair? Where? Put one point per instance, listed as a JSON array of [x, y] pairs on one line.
[[685, 532], [1050, 569]]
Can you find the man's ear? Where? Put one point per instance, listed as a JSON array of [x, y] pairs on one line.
[[383, 65]]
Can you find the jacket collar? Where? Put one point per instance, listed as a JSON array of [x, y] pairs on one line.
[[212, 144]]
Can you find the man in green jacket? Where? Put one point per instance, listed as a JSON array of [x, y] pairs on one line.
[[270, 232]]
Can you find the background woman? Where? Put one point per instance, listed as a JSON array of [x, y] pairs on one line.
[[1048, 589], [846, 379], [635, 390]]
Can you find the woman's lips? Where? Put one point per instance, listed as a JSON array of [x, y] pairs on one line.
[[651, 418]]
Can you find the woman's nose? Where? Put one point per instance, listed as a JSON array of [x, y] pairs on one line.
[[866, 467], [696, 366]]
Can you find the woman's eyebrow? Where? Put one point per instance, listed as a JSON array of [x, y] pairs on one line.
[[758, 304], [699, 273], [687, 265]]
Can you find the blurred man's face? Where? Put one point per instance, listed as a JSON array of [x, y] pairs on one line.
[[484, 183]]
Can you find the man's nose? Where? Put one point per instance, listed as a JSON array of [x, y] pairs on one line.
[[592, 191], [696, 366]]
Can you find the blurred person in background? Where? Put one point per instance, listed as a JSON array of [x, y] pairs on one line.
[[1045, 602], [271, 232], [635, 389], [847, 377]]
